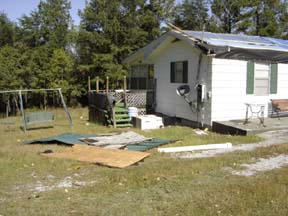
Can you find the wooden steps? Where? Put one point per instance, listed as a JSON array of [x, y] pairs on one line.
[[122, 119]]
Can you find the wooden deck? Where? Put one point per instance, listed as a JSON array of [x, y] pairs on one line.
[[237, 127]]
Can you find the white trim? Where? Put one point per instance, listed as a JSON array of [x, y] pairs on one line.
[[193, 148]]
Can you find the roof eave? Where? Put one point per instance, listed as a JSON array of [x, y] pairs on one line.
[[144, 53]]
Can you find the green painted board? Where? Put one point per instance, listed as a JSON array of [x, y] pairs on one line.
[[66, 138], [144, 146], [73, 138]]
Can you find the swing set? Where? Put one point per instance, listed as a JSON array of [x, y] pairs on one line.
[[41, 117]]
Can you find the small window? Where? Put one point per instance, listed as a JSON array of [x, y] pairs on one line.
[[179, 72]]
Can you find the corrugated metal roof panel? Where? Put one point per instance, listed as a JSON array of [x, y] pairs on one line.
[[240, 41]]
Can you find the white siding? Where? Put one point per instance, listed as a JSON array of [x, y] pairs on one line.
[[168, 102], [229, 89]]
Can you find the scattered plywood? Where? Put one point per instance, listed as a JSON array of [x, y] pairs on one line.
[[118, 140], [107, 157], [194, 148]]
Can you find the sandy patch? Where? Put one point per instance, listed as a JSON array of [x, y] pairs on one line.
[[50, 184], [271, 138], [65, 183], [262, 165]]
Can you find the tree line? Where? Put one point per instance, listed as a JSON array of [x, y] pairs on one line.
[[46, 50]]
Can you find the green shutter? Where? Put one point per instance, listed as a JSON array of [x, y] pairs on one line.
[[185, 72], [273, 79], [172, 72], [250, 78]]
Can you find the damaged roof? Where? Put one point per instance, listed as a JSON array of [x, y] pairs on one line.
[[240, 41], [231, 46]]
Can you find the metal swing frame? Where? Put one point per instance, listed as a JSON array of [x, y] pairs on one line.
[[37, 90]]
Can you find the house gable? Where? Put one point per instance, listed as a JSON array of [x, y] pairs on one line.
[[225, 46]]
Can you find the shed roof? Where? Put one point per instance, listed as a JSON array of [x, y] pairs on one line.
[[232, 46], [240, 41]]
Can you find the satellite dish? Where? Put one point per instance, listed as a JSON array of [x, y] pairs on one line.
[[183, 90]]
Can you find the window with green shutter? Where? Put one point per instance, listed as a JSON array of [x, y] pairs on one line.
[[179, 72], [261, 79]]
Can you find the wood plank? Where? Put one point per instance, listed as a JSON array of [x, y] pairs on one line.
[[106, 157]]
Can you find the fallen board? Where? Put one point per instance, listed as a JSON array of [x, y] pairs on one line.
[[106, 157], [194, 148]]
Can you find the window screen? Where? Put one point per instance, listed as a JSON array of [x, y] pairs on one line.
[[179, 72]]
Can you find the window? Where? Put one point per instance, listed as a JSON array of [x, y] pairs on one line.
[[141, 77], [261, 79], [179, 72]]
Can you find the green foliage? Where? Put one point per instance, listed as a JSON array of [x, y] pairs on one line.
[[61, 72], [13, 64], [47, 25], [111, 30], [7, 30], [255, 17], [266, 18], [227, 13], [192, 15], [60, 69]]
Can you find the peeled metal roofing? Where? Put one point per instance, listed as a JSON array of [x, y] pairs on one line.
[[240, 41]]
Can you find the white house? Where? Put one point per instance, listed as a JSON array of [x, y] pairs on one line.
[[230, 70]]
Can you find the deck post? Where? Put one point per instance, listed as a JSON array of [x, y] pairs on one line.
[[113, 117], [124, 92], [107, 85], [97, 84], [89, 84]]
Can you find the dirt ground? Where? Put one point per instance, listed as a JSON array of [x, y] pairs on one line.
[[270, 138], [261, 165]]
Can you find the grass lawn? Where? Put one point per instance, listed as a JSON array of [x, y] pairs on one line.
[[161, 185]]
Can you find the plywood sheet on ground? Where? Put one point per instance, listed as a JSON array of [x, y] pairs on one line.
[[107, 157]]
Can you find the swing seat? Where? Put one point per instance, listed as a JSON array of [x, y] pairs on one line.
[[39, 118]]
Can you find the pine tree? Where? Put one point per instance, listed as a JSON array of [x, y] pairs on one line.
[[111, 30], [267, 18], [192, 15], [48, 24], [227, 14], [7, 30]]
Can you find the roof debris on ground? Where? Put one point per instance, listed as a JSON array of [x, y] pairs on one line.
[[116, 141], [130, 140], [104, 149], [107, 157]]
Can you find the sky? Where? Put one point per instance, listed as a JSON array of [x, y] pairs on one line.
[[16, 8]]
